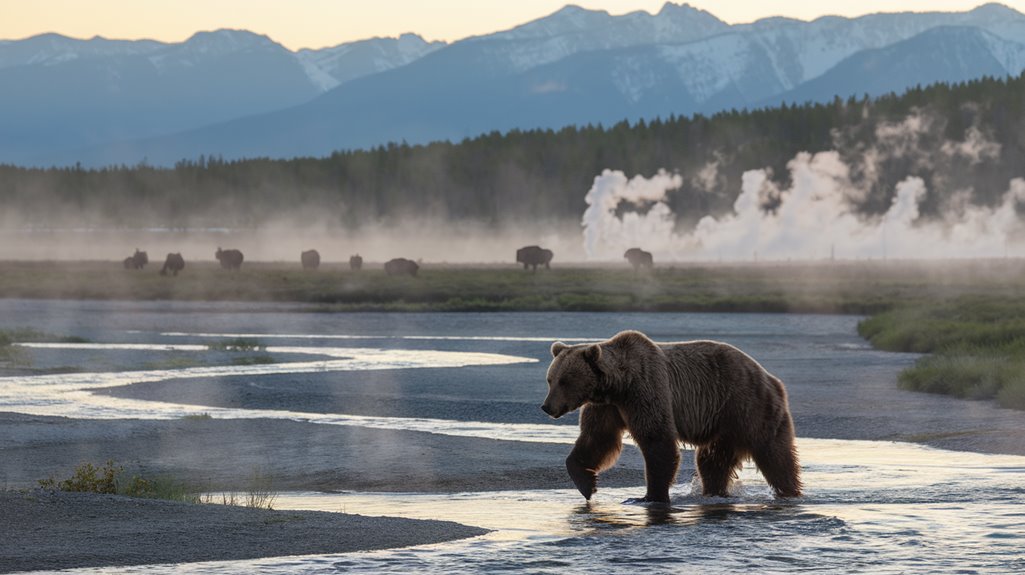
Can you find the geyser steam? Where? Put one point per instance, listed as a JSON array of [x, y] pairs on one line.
[[813, 219]]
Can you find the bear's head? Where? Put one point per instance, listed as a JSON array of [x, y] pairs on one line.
[[574, 377]]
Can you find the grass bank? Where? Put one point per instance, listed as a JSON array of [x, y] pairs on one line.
[[976, 346]]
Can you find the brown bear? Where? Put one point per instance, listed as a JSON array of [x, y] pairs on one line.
[[704, 393]]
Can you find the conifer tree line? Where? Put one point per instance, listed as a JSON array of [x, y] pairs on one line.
[[543, 175]]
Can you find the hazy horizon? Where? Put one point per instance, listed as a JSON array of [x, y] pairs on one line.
[[315, 24]]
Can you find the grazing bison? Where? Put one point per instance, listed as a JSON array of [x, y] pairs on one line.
[[230, 259], [310, 259], [401, 266], [639, 258], [136, 261], [533, 256], [355, 263], [174, 264]]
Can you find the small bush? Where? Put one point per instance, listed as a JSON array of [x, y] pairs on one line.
[[236, 344], [88, 478]]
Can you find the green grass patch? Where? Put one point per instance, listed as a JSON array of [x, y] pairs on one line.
[[197, 417], [236, 344], [976, 346], [110, 478], [31, 335]]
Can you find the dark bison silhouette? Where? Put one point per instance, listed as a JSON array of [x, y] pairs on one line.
[[310, 259], [230, 259], [401, 266], [533, 256], [355, 262], [136, 261], [639, 258], [174, 264]]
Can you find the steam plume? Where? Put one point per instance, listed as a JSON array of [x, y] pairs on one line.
[[813, 219]]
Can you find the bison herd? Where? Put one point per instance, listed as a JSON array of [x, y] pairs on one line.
[[231, 259]]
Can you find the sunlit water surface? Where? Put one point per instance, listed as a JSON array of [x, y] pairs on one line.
[[870, 506]]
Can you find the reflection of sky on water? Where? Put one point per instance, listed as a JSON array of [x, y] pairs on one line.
[[875, 507], [70, 395]]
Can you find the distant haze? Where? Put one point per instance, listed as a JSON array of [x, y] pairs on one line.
[[320, 23]]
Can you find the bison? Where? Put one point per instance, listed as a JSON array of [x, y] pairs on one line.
[[401, 266], [639, 258], [230, 259], [136, 261], [355, 263], [310, 259], [174, 264], [533, 256]]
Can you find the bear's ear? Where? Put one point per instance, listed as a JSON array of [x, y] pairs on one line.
[[592, 353], [558, 347]]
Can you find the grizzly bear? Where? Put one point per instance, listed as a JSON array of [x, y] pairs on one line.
[[703, 393]]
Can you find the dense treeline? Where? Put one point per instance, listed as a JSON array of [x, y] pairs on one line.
[[544, 174]]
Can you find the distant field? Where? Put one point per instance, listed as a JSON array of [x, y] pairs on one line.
[[840, 287]]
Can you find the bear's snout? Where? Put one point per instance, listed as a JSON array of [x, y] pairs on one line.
[[551, 411]]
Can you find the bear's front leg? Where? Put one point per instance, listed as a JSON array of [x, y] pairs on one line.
[[597, 448], [661, 461]]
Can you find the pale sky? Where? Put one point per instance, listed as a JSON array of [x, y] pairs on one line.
[[320, 23]]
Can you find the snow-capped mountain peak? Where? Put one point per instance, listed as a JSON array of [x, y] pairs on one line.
[[226, 40]]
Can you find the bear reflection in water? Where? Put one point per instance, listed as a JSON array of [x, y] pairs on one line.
[[704, 393]]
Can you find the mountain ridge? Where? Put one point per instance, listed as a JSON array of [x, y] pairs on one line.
[[570, 67]]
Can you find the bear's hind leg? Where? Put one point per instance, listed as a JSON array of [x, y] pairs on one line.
[[717, 465], [777, 460]]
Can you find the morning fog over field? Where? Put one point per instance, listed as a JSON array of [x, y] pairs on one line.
[[893, 178]]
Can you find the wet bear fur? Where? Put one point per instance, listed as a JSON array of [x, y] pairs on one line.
[[703, 393]]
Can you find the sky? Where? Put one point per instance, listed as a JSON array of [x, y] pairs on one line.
[[320, 23]]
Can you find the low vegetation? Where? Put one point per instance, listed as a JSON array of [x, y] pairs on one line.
[[975, 346], [14, 356], [110, 478], [236, 344], [858, 287]]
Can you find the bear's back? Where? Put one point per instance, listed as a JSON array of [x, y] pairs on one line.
[[711, 382]]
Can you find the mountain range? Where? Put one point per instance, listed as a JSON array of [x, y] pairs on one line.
[[236, 94]]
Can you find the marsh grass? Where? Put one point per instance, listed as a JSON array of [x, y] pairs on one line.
[[976, 347], [259, 494], [236, 344], [15, 356], [197, 417], [110, 478]]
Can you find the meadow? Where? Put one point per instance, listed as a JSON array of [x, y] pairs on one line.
[[848, 287], [969, 316]]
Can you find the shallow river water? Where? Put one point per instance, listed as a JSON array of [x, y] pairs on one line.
[[871, 506]]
